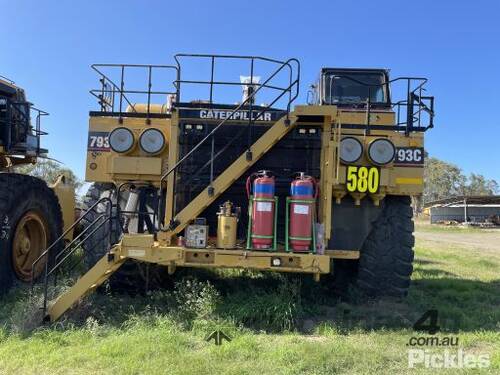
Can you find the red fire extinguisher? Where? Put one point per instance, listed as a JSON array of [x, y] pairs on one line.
[[301, 215], [262, 211]]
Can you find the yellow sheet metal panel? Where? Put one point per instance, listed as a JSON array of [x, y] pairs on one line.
[[143, 248], [409, 181], [137, 240], [143, 108], [397, 178], [136, 166], [99, 154], [66, 195]]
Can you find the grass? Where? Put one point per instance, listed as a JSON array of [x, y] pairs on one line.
[[424, 225], [278, 324]]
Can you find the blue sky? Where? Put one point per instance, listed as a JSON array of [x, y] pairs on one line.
[[48, 46]]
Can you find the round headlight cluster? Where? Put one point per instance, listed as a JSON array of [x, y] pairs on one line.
[[121, 140], [381, 151], [351, 150], [152, 141]]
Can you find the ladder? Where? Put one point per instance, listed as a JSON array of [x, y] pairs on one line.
[[97, 275], [112, 260]]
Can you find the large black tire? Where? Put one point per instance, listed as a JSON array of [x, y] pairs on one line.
[[96, 245], [131, 276], [385, 264], [20, 196]]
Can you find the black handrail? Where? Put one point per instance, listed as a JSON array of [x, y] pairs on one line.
[[65, 233], [70, 245], [213, 57], [25, 117], [238, 108], [409, 103], [122, 92], [292, 89], [48, 271], [7, 79]]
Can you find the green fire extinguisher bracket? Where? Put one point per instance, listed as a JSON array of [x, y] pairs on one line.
[[311, 203], [250, 235]]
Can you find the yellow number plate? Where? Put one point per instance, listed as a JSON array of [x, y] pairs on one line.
[[363, 179]]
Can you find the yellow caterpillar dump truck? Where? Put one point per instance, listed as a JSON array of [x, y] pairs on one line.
[[32, 214], [320, 188]]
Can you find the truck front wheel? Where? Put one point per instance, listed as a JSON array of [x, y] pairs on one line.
[[386, 257]]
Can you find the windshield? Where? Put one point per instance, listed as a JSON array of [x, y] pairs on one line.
[[354, 87]]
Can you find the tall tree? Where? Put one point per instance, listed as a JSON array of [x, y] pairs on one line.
[[479, 185], [49, 171], [442, 180]]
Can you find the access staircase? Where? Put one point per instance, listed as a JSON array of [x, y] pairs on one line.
[[112, 261]]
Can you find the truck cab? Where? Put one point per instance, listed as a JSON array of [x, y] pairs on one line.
[[352, 87], [18, 135]]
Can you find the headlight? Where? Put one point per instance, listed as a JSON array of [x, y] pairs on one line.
[[121, 140], [152, 141], [350, 149], [381, 151]]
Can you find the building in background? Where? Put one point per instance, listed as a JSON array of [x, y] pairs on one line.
[[465, 209]]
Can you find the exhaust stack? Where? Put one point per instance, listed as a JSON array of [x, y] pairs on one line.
[[249, 84]]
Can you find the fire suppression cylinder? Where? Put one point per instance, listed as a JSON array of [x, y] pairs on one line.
[[301, 213], [262, 211], [227, 226]]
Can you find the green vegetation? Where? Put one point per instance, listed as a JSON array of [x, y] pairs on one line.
[[49, 170], [279, 324], [424, 225], [443, 179]]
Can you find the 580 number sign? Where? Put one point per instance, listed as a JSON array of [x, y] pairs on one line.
[[363, 179]]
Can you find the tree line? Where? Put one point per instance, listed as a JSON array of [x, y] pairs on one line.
[[443, 179]]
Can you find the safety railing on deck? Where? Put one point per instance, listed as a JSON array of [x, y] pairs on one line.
[[20, 114], [409, 111], [291, 90], [112, 96]]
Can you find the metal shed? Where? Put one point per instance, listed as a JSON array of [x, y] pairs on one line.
[[470, 209]]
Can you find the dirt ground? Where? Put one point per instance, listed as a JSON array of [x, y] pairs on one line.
[[478, 239]]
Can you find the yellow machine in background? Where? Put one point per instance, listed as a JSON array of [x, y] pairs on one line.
[[168, 174], [32, 214]]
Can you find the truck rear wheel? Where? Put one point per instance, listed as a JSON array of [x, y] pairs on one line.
[[385, 264], [30, 220]]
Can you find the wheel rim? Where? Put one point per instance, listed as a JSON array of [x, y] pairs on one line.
[[30, 240]]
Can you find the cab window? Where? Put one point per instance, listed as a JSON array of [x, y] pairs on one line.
[[345, 88]]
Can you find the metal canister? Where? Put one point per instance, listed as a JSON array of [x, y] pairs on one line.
[[227, 225]]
